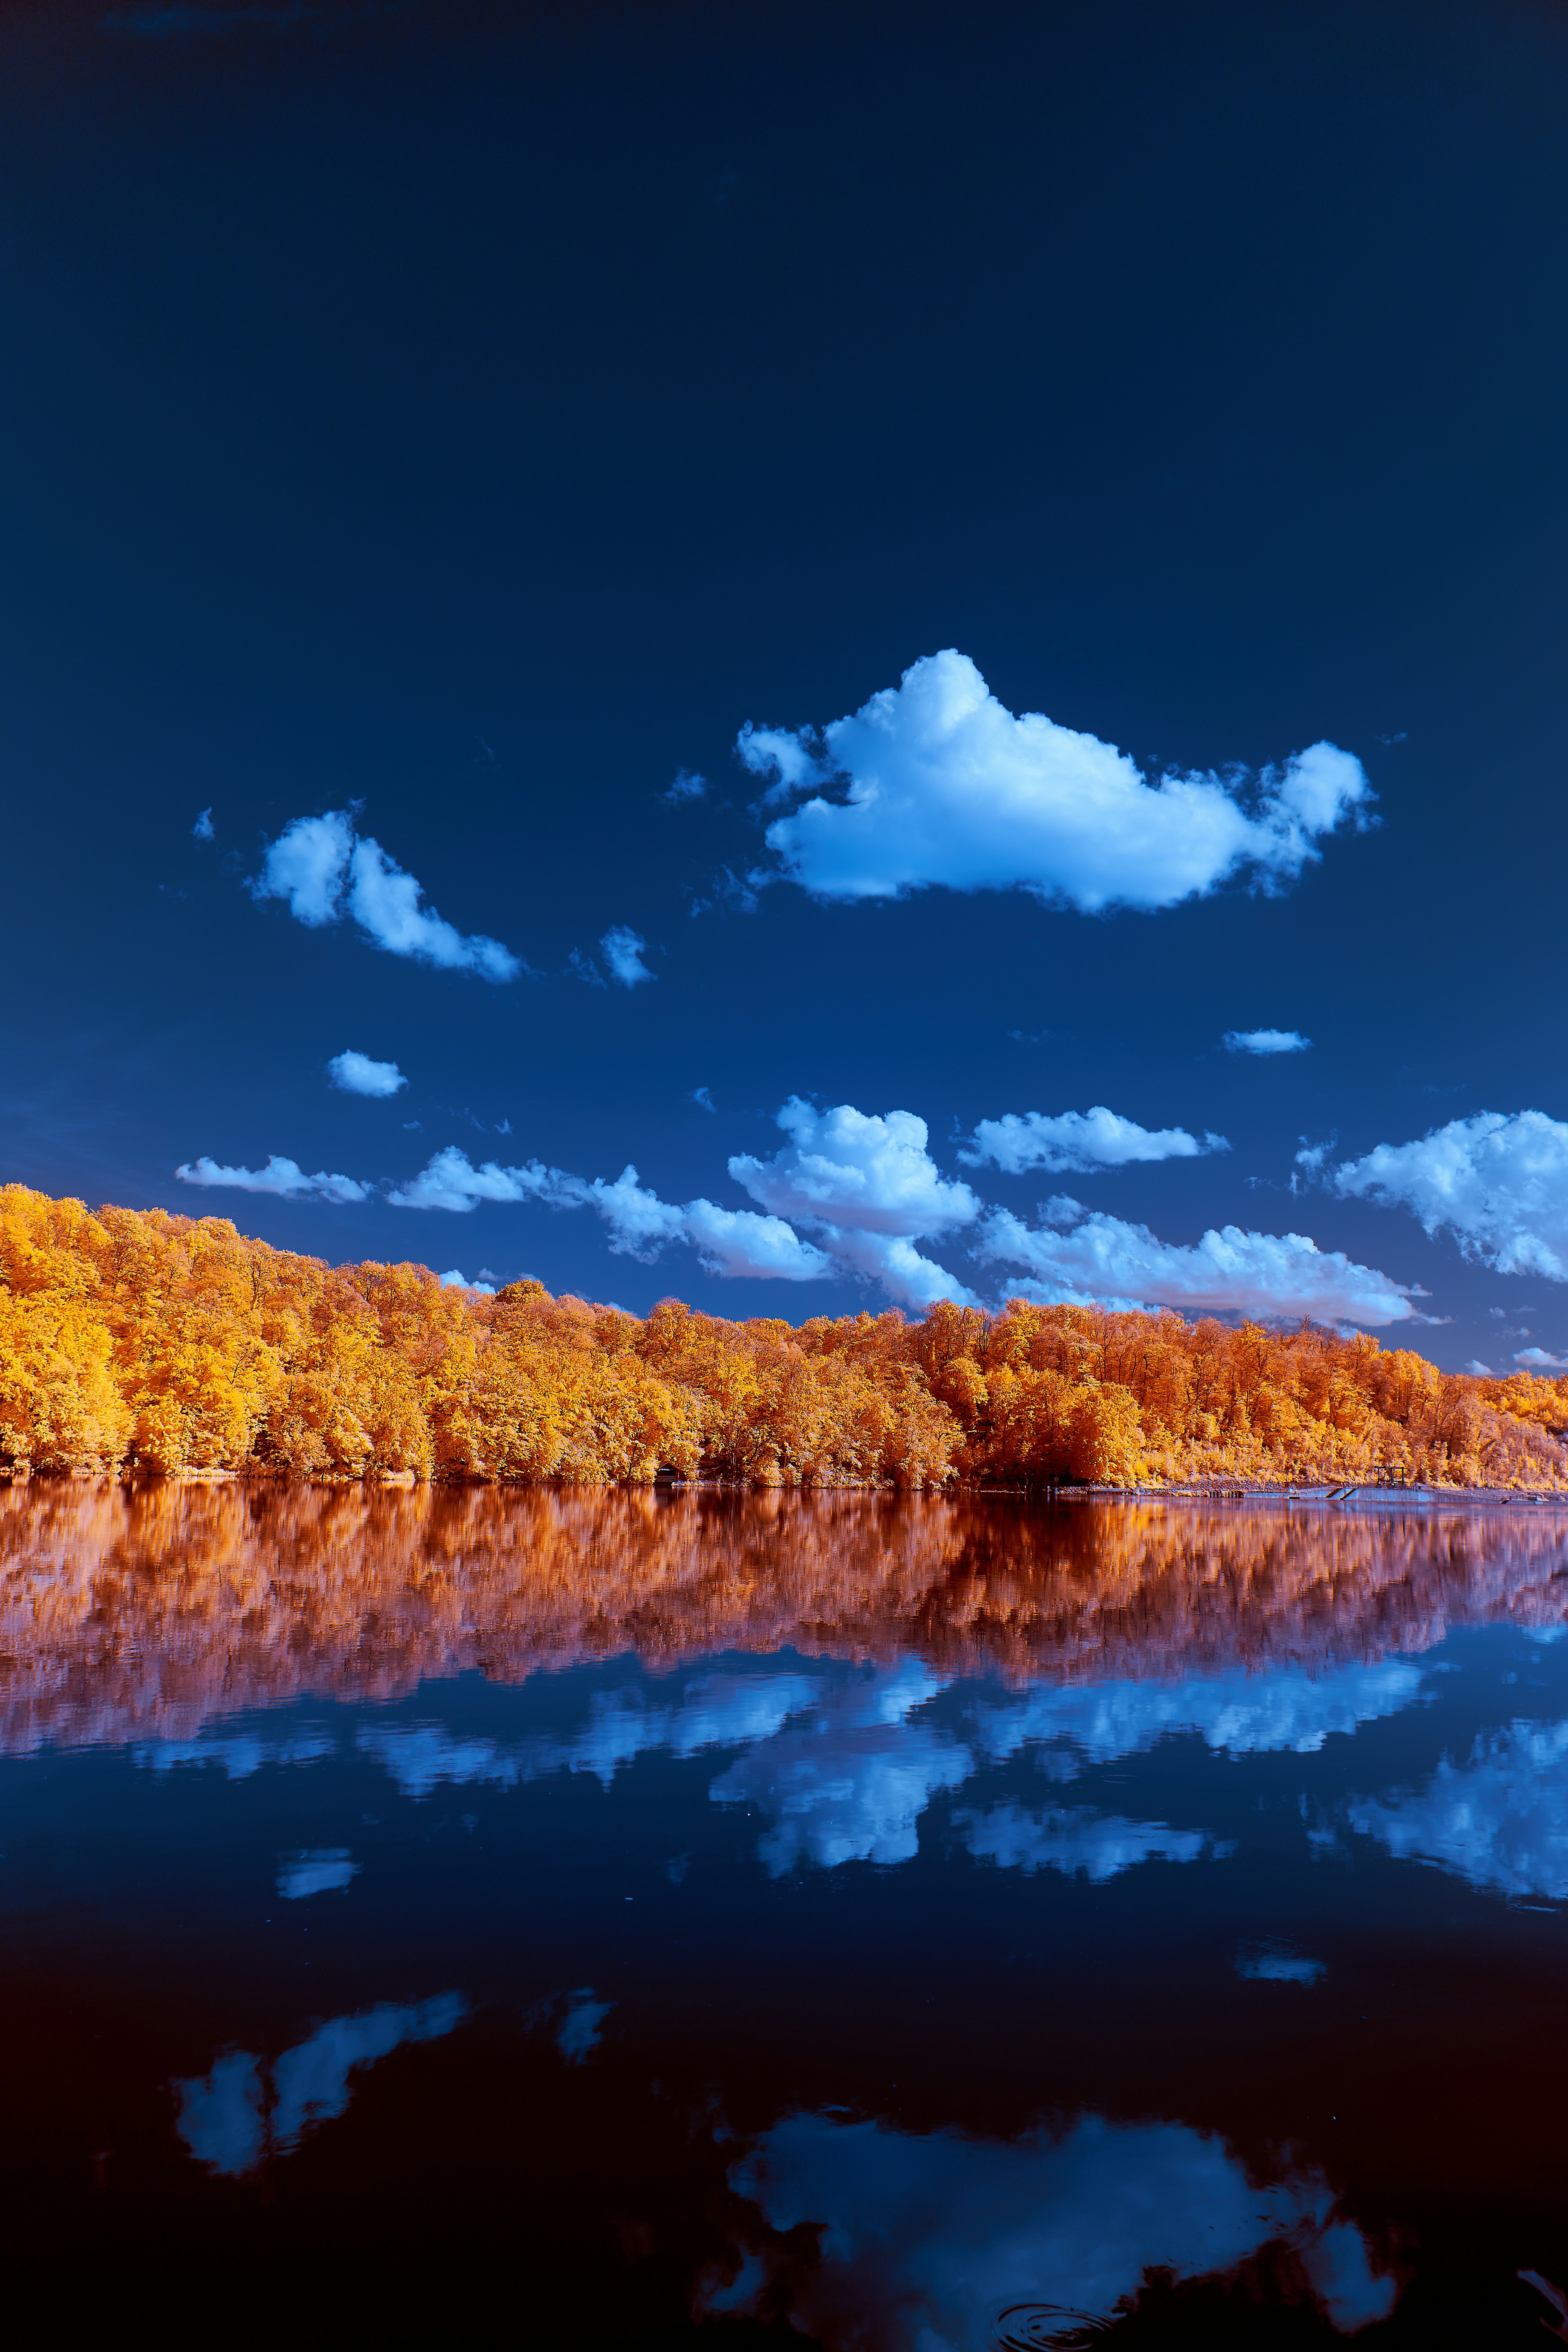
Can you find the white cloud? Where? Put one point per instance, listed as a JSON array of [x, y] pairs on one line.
[[926, 2237], [324, 1871], [623, 950], [1536, 1359], [1266, 1041], [947, 786], [1501, 1821], [1097, 1845], [356, 1074], [456, 1279], [727, 1240], [316, 859], [284, 1178], [1110, 1262], [1078, 1139], [869, 1189], [1499, 1184], [202, 827], [1484, 1371], [224, 2119], [687, 786], [448, 1181], [307, 864]]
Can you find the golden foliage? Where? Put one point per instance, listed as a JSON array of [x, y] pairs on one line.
[[140, 1340]]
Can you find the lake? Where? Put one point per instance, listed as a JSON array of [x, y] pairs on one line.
[[461, 1917]]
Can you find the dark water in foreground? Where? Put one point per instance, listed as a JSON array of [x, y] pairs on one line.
[[469, 1918]]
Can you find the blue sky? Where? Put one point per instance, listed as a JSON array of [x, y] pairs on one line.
[[702, 590]]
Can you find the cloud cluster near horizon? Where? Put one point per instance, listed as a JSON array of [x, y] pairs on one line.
[[944, 786], [1106, 1262], [282, 1178], [848, 1194], [1499, 1184], [1078, 1140], [324, 871]]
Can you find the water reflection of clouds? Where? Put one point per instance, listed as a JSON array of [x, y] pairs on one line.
[[1236, 1714], [1098, 1847], [1501, 1821], [322, 1871], [237, 1754], [926, 2239], [851, 1783], [228, 2119]]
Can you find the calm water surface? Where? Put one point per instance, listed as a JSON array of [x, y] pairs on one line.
[[465, 1918]]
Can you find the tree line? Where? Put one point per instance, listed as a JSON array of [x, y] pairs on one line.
[[134, 1340]]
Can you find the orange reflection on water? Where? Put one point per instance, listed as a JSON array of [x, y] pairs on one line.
[[132, 1612]]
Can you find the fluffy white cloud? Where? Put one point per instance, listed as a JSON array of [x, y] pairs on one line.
[[1107, 1262], [623, 950], [1266, 1041], [869, 1189], [456, 1279], [356, 1074], [225, 2118], [1499, 1184], [1097, 1845], [321, 868], [1501, 1821], [1077, 1140], [927, 2236], [727, 1240], [284, 1178], [944, 786], [1535, 1359]]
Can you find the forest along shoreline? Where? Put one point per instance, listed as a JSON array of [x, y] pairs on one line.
[[136, 1342]]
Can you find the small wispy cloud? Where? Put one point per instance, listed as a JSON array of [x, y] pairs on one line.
[[702, 1099], [356, 1074], [688, 786], [1266, 1041], [324, 870], [202, 827], [1076, 1140], [285, 1178], [622, 950]]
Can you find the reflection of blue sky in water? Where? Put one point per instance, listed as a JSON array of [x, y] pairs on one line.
[[1501, 1821], [1098, 1845], [1237, 1714], [834, 1761], [851, 1784], [579, 2030], [928, 2238], [239, 1754], [324, 1871], [227, 2119]]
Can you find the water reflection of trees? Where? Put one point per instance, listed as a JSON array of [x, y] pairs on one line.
[[132, 1610]]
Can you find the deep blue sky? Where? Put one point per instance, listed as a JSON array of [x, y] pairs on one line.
[[480, 412]]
